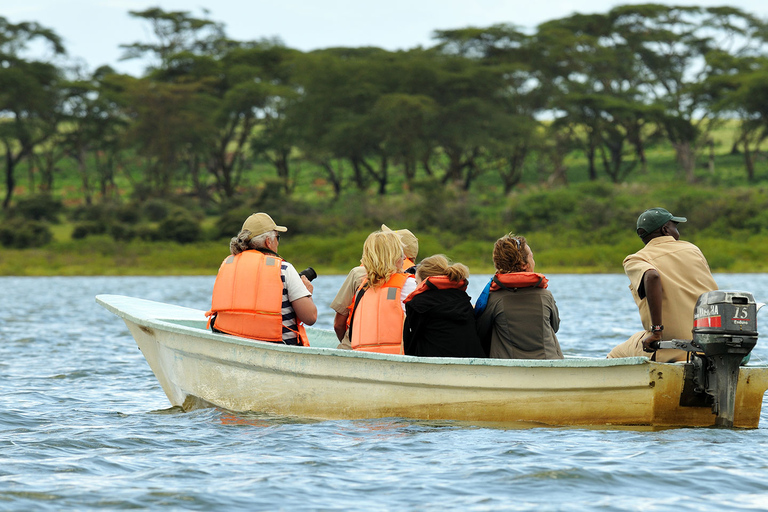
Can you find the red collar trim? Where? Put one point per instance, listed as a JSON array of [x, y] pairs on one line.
[[437, 283], [519, 280]]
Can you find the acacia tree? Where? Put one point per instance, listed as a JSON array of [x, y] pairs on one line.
[[93, 129], [310, 116], [246, 89], [741, 89], [271, 67], [29, 99], [334, 115], [241, 91], [468, 95], [595, 84], [378, 111], [398, 119], [173, 107], [175, 32], [45, 160], [513, 133], [405, 122], [671, 45], [168, 120], [750, 101]]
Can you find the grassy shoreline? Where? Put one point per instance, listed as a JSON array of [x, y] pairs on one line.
[[585, 228], [101, 256]]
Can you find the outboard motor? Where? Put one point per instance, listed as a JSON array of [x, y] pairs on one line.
[[724, 333]]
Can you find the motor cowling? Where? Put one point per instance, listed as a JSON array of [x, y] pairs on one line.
[[724, 333], [725, 322]]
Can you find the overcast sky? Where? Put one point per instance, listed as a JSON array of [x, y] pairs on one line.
[[93, 29]]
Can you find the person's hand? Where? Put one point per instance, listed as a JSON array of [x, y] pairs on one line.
[[308, 284], [650, 341]]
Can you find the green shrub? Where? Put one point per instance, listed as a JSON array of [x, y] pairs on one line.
[[155, 210], [100, 212], [436, 206], [145, 232], [181, 228], [230, 222], [142, 192], [542, 209], [122, 232], [23, 234], [88, 227], [40, 207], [128, 213]]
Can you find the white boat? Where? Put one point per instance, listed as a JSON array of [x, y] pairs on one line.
[[196, 367]]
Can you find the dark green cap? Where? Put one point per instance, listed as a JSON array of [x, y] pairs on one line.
[[653, 218]]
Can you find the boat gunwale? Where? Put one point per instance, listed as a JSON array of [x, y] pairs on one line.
[[152, 314], [169, 334]]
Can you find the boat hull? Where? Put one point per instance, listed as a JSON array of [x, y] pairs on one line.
[[237, 374]]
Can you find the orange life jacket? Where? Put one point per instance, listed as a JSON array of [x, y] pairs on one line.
[[437, 283], [248, 298], [377, 317], [519, 280], [407, 265]]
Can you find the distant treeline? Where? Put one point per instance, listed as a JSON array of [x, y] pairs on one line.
[[585, 227], [489, 101]]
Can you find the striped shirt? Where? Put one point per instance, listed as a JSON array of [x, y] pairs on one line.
[[293, 289]]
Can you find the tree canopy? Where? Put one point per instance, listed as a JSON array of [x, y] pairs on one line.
[[495, 101]]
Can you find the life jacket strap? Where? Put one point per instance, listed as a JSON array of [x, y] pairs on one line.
[[502, 285], [358, 298]]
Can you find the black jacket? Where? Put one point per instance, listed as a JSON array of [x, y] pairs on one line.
[[441, 323]]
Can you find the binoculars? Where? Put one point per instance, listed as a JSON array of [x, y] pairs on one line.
[[309, 273]]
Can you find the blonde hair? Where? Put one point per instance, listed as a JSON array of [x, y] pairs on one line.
[[381, 251], [440, 265], [410, 242], [509, 254]]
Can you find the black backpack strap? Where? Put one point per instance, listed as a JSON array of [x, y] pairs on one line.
[[358, 297]]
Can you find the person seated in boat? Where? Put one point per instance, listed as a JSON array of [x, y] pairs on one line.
[[376, 320], [520, 318], [439, 319], [257, 294], [342, 303], [410, 248], [666, 278]]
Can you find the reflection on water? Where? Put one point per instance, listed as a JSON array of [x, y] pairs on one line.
[[84, 425]]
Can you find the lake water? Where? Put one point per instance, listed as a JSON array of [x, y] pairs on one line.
[[84, 425]]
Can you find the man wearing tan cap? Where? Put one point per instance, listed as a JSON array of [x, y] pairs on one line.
[[410, 248], [667, 276], [346, 293], [258, 294]]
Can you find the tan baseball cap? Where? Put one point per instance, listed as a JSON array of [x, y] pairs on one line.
[[260, 223], [410, 242]]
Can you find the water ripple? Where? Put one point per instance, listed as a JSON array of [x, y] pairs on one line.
[[84, 425]]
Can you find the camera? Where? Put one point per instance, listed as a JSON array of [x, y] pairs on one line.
[[309, 273]]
